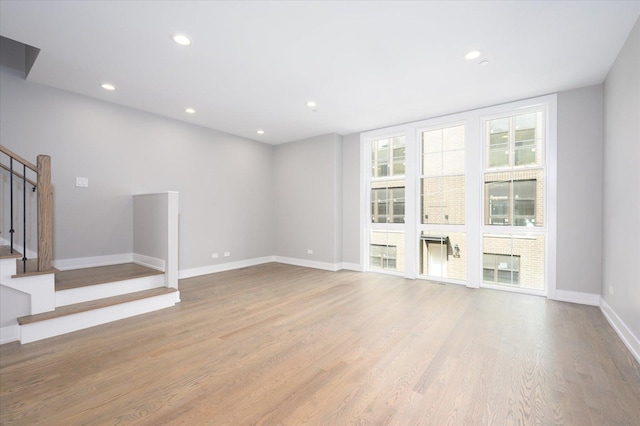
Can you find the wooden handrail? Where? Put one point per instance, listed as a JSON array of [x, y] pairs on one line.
[[7, 168], [20, 159]]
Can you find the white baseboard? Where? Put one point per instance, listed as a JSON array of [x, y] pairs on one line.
[[31, 254], [149, 262], [308, 263], [630, 340], [590, 299], [212, 269], [90, 262], [10, 333], [352, 267]]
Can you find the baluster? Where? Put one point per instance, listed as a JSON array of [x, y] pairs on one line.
[[24, 218], [11, 230]]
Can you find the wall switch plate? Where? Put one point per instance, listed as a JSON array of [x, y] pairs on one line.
[[610, 289], [227, 253], [82, 182], [214, 255], [309, 251]]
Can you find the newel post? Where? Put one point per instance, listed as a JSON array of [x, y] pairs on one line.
[[45, 213]]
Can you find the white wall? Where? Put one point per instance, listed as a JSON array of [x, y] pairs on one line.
[[579, 228], [225, 181], [308, 199], [621, 218], [351, 199]]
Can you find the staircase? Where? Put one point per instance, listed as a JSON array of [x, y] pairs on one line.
[[84, 297], [39, 301]]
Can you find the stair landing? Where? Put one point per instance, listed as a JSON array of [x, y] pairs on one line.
[[75, 278]]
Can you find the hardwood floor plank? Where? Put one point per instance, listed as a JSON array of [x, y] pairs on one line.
[[278, 344]]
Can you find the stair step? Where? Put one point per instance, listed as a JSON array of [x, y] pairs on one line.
[[32, 269], [5, 253], [75, 278], [94, 304]]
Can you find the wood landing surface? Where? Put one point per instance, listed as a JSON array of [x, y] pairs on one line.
[[75, 278]]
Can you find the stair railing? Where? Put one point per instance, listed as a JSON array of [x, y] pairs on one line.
[[44, 200]]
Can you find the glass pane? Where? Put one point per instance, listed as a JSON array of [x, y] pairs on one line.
[[498, 155], [453, 162], [443, 255], [442, 200], [390, 252], [380, 205], [488, 275], [526, 135], [398, 156], [453, 138], [380, 158], [432, 141], [432, 164], [397, 197], [519, 260], [497, 203], [528, 198]]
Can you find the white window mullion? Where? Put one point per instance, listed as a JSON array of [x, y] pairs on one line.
[[474, 203], [411, 208]]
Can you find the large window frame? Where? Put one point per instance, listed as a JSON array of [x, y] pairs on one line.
[[475, 209]]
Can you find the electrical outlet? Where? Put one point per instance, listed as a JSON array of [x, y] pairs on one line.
[[227, 253], [610, 289], [309, 251], [214, 255]]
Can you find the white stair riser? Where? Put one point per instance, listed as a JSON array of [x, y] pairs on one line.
[[67, 324], [101, 291], [7, 268], [41, 288]]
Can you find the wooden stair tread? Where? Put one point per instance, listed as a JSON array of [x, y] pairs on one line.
[[76, 278], [32, 269], [95, 304], [5, 253]]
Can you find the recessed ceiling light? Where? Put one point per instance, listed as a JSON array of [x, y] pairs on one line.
[[181, 39], [190, 111], [260, 132], [311, 104], [472, 55], [107, 86]]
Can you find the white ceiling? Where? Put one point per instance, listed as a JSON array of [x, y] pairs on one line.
[[368, 64]]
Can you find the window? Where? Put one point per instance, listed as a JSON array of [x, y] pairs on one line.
[[479, 183], [388, 157], [515, 141], [442, 179], [500, 269], [387, 205], [383, 257], [511, 202]]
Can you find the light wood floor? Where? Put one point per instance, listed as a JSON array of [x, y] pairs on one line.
[[276, 344]]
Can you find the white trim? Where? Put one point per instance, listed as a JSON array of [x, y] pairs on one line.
[[10, 333], [31, 254], [352, 266], [69, 323], [90, 262], [204, 270], [148, 261], [590, 299], [630, 340], [110, 289], [308, 263]]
